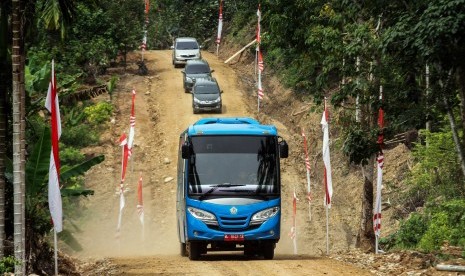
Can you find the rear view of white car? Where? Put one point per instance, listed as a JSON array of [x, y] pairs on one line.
[[184, 49]]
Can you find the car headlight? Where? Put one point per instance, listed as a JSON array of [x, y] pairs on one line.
[[217, 100], [188, 79], [262, 216], [197, 100], [202, 215]]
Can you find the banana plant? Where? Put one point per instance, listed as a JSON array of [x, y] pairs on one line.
[[37, 168]]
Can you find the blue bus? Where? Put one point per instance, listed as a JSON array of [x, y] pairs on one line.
[[229, 187]]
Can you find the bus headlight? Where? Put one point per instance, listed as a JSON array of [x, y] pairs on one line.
[[202, 215], [264, 215]]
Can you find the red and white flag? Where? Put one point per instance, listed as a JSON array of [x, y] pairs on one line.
[[140, 203], [147, 6], [294, 212], [54, 195], [380, 165], [220, 23], [258, 34], [261, 64], [132, 123], [307, 166], [293, 233], [326, 158], [260, 69], [377, 209], [143, 45], [123, 142]]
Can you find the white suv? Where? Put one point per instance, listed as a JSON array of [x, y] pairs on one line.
[[184, 49]]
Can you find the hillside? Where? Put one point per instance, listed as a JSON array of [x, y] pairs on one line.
[[162, 111]]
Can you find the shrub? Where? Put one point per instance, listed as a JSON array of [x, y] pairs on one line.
[[99, 113], [71, 156], [411, 231], [428, 231], [7, 264], [79, 136]]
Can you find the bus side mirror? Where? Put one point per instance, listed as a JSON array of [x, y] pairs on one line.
[[283, 149], [185, 151]]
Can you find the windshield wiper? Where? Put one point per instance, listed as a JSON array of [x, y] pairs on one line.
[[215, 187]]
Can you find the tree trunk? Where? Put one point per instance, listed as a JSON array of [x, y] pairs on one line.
[[460, 80], [17, 174], [3, 94], [366, 236], [455, 135], [2, 161], [23, 152]]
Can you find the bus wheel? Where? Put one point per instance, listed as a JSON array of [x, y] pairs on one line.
[[194, 250], [268, 250], [183, 249]]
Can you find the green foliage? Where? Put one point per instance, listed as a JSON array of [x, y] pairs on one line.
[[429, 230], [7, 264], [411, 231], [99, 113], [111, 85], [358, 146], [437, 170], [80, 136], [72, 116], [71, 155]]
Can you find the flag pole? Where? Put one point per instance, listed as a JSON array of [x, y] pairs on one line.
[[55, 249], [295, 222], [258, 97], [327, 227], [308, 197]]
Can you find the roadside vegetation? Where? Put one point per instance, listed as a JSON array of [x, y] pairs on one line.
[[340, 50], [344, 51]]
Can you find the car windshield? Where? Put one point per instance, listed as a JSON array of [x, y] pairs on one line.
[[197, 69], [233, 165], [187, 45], [206, 89]]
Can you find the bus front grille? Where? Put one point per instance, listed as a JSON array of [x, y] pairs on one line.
[[233, 222]]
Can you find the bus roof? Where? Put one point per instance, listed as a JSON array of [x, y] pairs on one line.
[[230, 125]]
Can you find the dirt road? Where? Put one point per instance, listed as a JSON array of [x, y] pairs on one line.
[[163, 110]]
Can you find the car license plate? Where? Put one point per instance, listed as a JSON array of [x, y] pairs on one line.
[[233, 237]]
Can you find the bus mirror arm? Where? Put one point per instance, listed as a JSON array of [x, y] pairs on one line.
[[185, 151], [283, 149]]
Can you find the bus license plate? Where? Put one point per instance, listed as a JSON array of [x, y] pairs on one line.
[[233, 237]]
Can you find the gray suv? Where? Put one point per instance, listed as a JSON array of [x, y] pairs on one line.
[[206, 96], [184, 49], [196, 68]]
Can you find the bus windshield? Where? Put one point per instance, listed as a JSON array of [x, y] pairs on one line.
[[233, 166]]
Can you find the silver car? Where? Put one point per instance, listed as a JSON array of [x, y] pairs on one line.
[[184, 49]]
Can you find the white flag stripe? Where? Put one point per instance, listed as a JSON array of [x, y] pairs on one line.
[[220, 28], [327, 160], [54, 196]]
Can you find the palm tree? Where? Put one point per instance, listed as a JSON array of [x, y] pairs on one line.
[[3, 94], [17, 120]]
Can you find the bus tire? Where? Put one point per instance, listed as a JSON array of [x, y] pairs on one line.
[[268, 250], [183, 250], [194, 251]]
